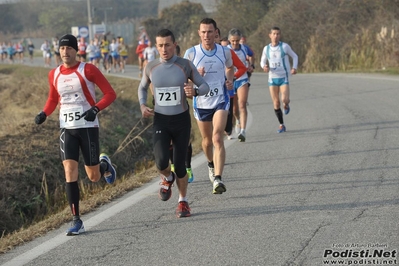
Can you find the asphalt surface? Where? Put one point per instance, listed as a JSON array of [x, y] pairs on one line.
[[327, 189]]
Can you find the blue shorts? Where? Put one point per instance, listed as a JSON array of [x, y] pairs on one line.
[[239, 83], [231, 93], [206, 115], [278, 82]]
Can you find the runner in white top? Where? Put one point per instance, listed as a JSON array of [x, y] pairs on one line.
[[19, 49], [215, 64], [45, 48], [275, 61], [91, 52], [149, 53], [241, 85], [114, 48]]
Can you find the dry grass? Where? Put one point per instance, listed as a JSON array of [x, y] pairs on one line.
[[32, 194], [54, 221]]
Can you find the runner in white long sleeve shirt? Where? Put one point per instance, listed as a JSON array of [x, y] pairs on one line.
[[275, 61]]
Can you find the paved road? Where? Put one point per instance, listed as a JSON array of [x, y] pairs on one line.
[[326, 189]]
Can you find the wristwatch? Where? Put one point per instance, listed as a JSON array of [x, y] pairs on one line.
[[196, 92]]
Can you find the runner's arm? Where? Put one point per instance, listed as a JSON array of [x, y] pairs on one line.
[[250, 56], [241, 68], [293, 55], [198, 80], [142, 94], [143, 87], [263, 59], [53, 96], [94, 75], [229, 64]]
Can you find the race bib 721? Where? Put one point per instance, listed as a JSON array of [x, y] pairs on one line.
[[168, 96]]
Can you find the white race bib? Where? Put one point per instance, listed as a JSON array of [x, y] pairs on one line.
[[168, 96], [71, 117], [275, 62], [215, 89]]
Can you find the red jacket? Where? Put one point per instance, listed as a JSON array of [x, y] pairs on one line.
[[140, 49]]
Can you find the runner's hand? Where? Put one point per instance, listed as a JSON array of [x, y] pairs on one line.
[[90, 115], [40, 118], [146, 111], [189, 90], [229, 84], [201, 70]]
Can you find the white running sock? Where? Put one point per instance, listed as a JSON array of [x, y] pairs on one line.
[[170, 177], [183, 199]]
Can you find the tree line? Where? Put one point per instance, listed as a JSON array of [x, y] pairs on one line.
[[327, 35], [40, 19]]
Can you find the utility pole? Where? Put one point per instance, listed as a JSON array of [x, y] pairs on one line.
[[90, 22]]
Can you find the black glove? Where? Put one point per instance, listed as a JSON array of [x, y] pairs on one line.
[[40, 118], [90, 115]]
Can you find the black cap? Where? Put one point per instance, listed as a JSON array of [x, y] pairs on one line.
[[69, 40]]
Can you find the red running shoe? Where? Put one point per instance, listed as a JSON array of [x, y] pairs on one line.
[[165, 192], [183, 210]]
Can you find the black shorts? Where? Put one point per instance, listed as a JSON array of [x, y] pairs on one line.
[[175, 128], [84, 139], [229, 123]]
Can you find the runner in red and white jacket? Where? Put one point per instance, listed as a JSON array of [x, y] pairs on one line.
[[72, 87], [82, 46]]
